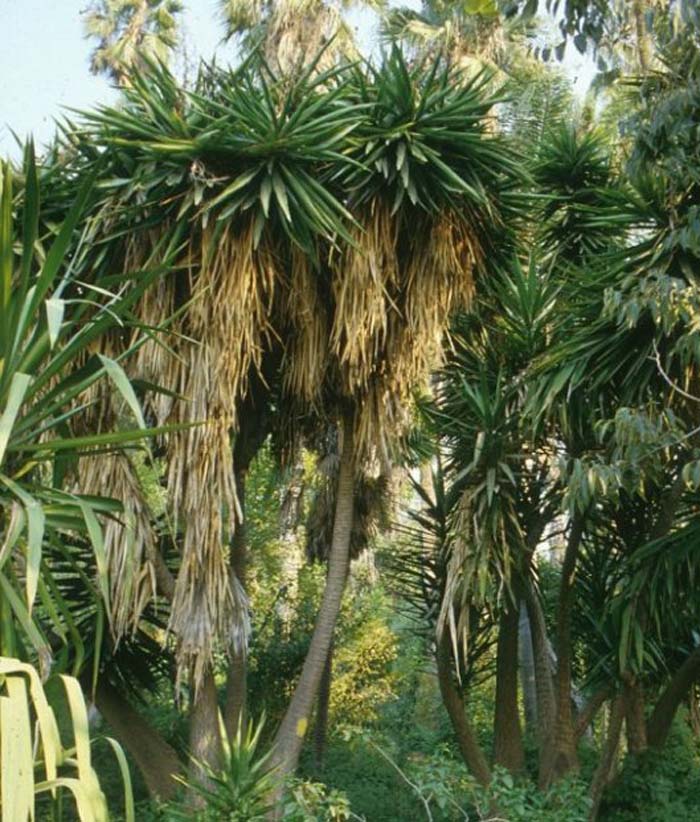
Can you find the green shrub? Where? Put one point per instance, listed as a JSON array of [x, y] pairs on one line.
[[659, 786]]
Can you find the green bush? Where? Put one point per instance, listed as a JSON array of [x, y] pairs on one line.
[[658, 787]]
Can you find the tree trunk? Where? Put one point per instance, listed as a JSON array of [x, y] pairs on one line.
[[292, 730], [508, 742], [526, 660], [607, 756], [642, 36], [546, 707], [254, 427], [590, 709], [237, 676], [635, 720], [665, 710], [154, 757], [321, 724], [205, 738], [466, 739], [564, 758]]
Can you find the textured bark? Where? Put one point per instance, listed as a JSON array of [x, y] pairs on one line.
[[155, 758], [564, 758], [642, 36], [665, 709], [321, 723], [292, 730], [237, 676], [508, 742], [607, 756], [635, 720], [466, 739], [254, 427], [546, 706], [205, 738], [526, 659]]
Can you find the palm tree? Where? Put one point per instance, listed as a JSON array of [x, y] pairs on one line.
[[127, 31], [471, 34], [291, 32]]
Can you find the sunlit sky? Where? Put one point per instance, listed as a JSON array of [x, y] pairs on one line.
[[44, 61]]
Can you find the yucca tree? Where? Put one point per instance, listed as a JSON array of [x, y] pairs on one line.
[[424, 218], [127, 31], [501, 494], [419, 573], [623, 352], [330, 226]]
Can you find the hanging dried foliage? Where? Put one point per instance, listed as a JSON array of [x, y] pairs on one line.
[[129, 538], [337, 217], [227, 322], [364, 281], [306, 343]]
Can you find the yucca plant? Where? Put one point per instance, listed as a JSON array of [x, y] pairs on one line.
[[333, 223], [36, 762], [242, 789]]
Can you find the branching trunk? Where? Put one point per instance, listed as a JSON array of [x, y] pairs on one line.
[[607, 756], [508, 741], [466, 739], [321, 723], [564, 758], [290, 735], [155, 758], [665, 710]]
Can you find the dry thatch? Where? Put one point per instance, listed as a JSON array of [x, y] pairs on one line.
[[395, 291]]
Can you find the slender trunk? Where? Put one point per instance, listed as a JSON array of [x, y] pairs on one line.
[[635, 721], [254, 427], [607, 756], [665, 709], [154, 757], [237, 677], [508, 742], [564, 758], [292, 730], [321, 724], [466, 739], [526, 660], [205, 738], [590, 709], [546, 707], [642, 35]]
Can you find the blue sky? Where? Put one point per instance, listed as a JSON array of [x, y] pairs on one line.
[[44, 62]]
